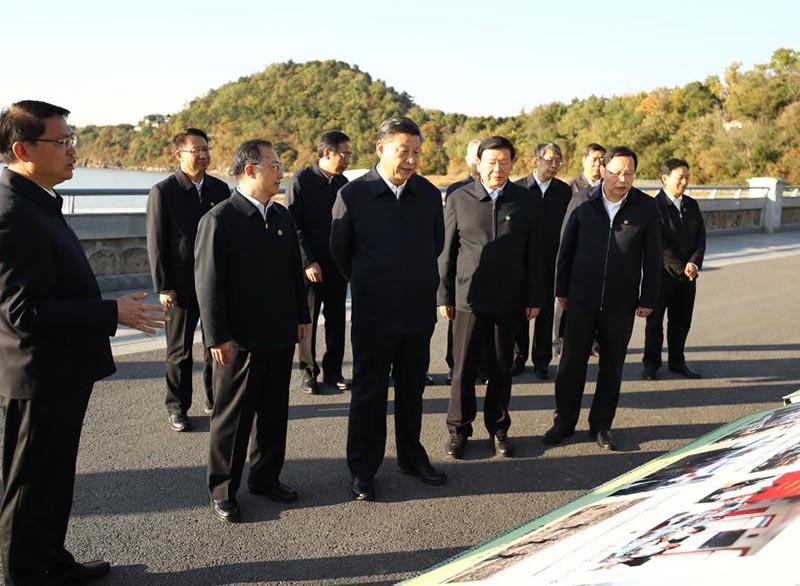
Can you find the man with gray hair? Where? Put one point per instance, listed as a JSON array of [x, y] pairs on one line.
[[553, 196], [386, 235]]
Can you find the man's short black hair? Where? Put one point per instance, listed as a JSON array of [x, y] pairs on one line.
[[497, 143], [248, 153], [398, 125], [670, 165], [330, 140], [592, 147], [23, 121], [620, 151], [180, 138]]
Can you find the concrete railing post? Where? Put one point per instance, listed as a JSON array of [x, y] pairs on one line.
[[773, 203]]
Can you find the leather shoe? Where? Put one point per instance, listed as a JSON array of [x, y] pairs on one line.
[[427, 474], [76, 573], [449, 379], [541, 372], [648, 373], [364, 490], [180, 422], [429, 380], [502, 445], [517, 366], [310, 386], [596, 349], [208, 409], [278, 492], [227, 510], [455, 446], [341, 383], [604, 439], [556, 434], [685, 371]]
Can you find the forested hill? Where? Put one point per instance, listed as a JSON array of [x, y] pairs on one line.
[[742, 125]]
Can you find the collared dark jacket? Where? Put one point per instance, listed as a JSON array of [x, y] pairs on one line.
[[489, 263], [54, 327], [310, 198], [579, 183], [610, 267], [458, 184], [387, 248], [249, 279], [173, 212], [683, 235], [551, 217]]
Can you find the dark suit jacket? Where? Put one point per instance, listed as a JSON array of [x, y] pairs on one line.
[[249, 279], [458, 184], [683, 235], [553, 209], [54, 327], [601, 266], [387, 249], [579, 183], [310, 198], [173, 212], [489, 262]]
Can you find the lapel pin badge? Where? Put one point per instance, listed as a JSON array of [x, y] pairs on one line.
[[508, 217], [280, 232], [625, 221]]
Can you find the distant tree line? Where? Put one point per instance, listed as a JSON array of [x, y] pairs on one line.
[[743, 125]]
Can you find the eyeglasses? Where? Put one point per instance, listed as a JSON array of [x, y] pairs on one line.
[[622, 174], [275, 166], [68, 143], [197, 150], [556, 162], [345, 154]]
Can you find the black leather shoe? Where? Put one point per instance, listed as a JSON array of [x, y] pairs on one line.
[[208, 409], [427, 474], [341, 383], [429, 380], [227, 510], [364, 490], [556, 434], [502, 445], [541, 372], [604, 439], [596, 349], [455, 446], [648, 373], [76, 573], [180, 422], [278, 492], [449, 379], [310, 386], [685, 371], [517, 366]]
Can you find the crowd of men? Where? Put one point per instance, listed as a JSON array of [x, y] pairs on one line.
[[579, 260]]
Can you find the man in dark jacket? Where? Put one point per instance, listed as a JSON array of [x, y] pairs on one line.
[[553, 196], [592, 161], [386, 234], [54, 330], [683, 245], [609, 268], [174, 208], [253, 306], [309, 196], [487, 281]]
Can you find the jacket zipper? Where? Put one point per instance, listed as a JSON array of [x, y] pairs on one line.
[[605, 266], [494, 220]]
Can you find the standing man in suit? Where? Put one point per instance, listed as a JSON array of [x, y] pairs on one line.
[[54, 331], [553, 196], [592, 159], [174, 208], [253, 305], [386, 234], [683, 246], [309, 196], [487, 281], [609, 269], [471, 159]]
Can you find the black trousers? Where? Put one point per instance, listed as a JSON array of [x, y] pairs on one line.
[[613, 332], [331, 297], [677, 300], [179, 332], [40, 448], [255, 386], [374, 353], [542, 350], [471, 335]]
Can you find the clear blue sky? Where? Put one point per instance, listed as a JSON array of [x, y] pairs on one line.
[[113, 62]]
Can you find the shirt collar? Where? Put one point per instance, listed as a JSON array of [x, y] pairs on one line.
[[263, 209], [542, 185], [494, 193], [397, 190]]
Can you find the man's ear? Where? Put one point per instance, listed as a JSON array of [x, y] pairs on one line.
[[20, 152]]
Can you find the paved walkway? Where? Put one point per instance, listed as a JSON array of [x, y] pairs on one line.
[[141, 501]]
